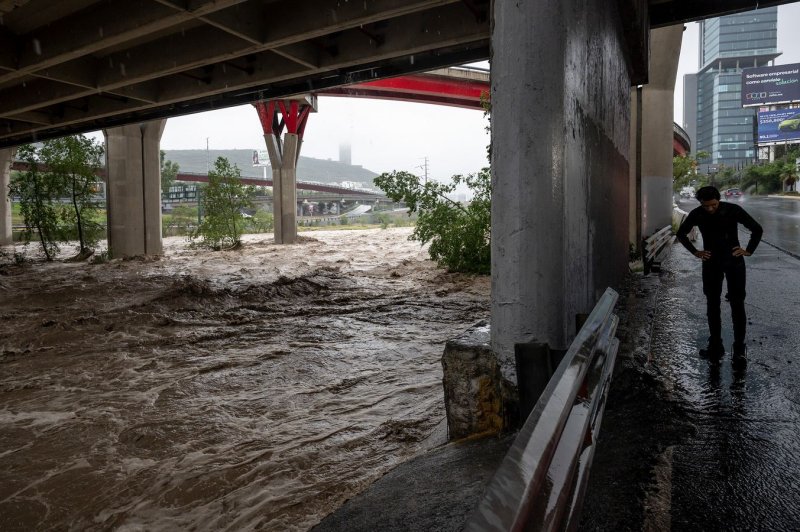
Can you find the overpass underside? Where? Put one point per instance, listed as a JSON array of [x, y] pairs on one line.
[[82, 65], [575, 143]]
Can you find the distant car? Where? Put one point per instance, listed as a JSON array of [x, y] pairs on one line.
[[790, 124], [733, 194], [687, 192]]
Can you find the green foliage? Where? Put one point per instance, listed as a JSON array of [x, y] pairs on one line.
[[262, 222], [180, 221], [73, 163], [222, 202], [684, 170], [169, 170], [38, 194], [459, 235], [771, 177], [58, 193], [384, 220]]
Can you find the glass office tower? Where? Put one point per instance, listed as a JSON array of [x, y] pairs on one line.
[[712, 97]]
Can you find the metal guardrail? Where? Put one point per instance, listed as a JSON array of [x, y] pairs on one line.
[[541, 482], [653, 246]]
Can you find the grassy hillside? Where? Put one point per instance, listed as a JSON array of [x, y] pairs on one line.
[[308, 169]]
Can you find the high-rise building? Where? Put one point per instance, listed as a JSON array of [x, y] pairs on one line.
[[713, 114], [345, 153]]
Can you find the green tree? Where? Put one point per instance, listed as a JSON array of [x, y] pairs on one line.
[[771, 177], [169, 170], [38, 193], [222, 202], [262, 221], [179, 221], [684, 169], [459, 234], [73, 163]]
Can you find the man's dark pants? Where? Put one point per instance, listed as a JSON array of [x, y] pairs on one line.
[[714, 271]]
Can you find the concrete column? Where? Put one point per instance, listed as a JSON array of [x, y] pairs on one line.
[[283, 156], [657, 132], [276, 161], [560, 141], [6, 157], [134, 189]]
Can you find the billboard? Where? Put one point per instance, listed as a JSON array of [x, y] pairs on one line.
[[260, 158], [770, 85], [778, 127]]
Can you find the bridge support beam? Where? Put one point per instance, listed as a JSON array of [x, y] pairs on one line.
[[133, 193], [6, 157], [560, 143], [656, 138], [283, 156]]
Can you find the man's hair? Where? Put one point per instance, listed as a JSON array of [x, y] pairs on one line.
[[707, 194]]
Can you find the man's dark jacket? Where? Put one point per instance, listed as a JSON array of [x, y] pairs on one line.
[[720, 231]]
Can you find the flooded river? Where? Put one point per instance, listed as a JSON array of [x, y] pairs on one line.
[[249, 389]]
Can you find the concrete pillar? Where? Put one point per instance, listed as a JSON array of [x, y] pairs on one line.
[[6, 157], [283, 158], [283, 155], [560, 141], [635, 173], [657, 132], [134, 189]]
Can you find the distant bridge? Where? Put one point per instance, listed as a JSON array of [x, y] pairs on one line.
[[466, 87], [335, 190], [328, 192]]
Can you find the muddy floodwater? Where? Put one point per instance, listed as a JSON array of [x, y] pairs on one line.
[[250, 389]]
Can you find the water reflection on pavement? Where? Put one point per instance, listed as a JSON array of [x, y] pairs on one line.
[[694, 445]]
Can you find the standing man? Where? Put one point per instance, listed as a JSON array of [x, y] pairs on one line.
[[722, 257]]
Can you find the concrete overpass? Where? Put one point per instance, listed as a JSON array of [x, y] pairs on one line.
[[82, 65], [581, 111]]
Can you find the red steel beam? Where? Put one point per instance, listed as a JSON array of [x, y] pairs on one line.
[[419, 88]]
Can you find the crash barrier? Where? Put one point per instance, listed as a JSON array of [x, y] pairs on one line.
[[653, 248], [678, 216], [541, 481]]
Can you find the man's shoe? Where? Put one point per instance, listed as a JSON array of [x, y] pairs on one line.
[[739, 359], [713, 351]]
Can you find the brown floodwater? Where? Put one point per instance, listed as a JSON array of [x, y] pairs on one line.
[[250, 389]]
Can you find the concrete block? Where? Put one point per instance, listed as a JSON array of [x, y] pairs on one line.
[[478, 400]]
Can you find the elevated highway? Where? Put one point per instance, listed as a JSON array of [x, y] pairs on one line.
[[81, 65]]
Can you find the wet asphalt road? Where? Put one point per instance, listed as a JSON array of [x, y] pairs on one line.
[[712, 448], [779, 217]]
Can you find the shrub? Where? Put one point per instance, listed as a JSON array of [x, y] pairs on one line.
[[222, 202], [459, 234]]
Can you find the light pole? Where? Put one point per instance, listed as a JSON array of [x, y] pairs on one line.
[[424, 167]]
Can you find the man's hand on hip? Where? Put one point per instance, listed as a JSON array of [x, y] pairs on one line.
[[740, 252]]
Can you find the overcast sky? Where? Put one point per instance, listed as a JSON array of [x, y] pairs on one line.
[[387, 136], [383, 135]]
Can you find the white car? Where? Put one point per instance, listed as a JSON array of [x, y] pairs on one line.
[[687, 192]]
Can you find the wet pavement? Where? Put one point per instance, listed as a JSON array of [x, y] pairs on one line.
[[688, 444]]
